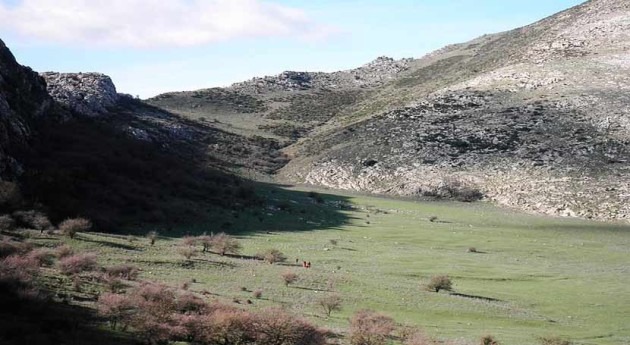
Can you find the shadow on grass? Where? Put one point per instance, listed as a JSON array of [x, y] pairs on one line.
[[109, 244], [488, 299], [45, 322], [309, 289]]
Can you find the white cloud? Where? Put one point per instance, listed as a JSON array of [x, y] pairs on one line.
[[151, 23]]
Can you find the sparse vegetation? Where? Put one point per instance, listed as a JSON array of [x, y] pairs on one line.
[[70, 227], [330, 303], [553, 340], [370, 328], [440, 282], [489, 340], [77, 263], [187, 252], [272, 256], [223, 243], [289, 277]]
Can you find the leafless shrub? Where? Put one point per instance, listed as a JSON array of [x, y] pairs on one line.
[[488, 340], [70, 227], [189, 241], [272, 256], [330, 303], [43, 256], [187, 252], [414, 336], [78, 263], [370, 328], [9, 247], [441, 282], [289, 277], [276, 327], [63, 251], [115, 308], [472, 250], [257, 293], [223, 243]]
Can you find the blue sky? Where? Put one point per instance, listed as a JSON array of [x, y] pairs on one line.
[[190, 44]]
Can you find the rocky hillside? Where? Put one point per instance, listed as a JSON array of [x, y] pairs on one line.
[[536, 118], [84, 93], [71, 145], [23, 99]]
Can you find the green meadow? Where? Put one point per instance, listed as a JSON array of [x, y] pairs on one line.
[[528, 276]]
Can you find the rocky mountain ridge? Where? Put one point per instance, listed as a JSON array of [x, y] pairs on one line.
[[88, 94], [374, 73]]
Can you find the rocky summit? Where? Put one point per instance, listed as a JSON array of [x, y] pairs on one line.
[[88, 94]]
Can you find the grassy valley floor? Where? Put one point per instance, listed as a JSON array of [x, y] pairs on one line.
[[527, 276]]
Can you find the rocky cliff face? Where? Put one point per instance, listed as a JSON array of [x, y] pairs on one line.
[[23, 99], [90, 94]]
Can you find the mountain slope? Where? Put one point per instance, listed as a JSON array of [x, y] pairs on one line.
[[535, 118]]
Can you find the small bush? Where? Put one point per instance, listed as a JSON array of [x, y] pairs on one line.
[[415, 336], [113, 284], [189, 241], [63, 251], [16, 269], [78, 263], [333, 242], [223, 243], [330, 303], [187, 252], [370, 328], [190, 303], [206, 242], [6, 222], [8, 247], [433, 219], [272, 256], [276, 327], [257, 294], [472, 250], [32, 219], [289, 278], [553, 340], [488, 340], [43, 256], [127, 272], [438, 283], [70, 227], [117, 309]]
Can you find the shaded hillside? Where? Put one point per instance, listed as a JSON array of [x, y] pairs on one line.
[[85, 150], [23, 99]]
